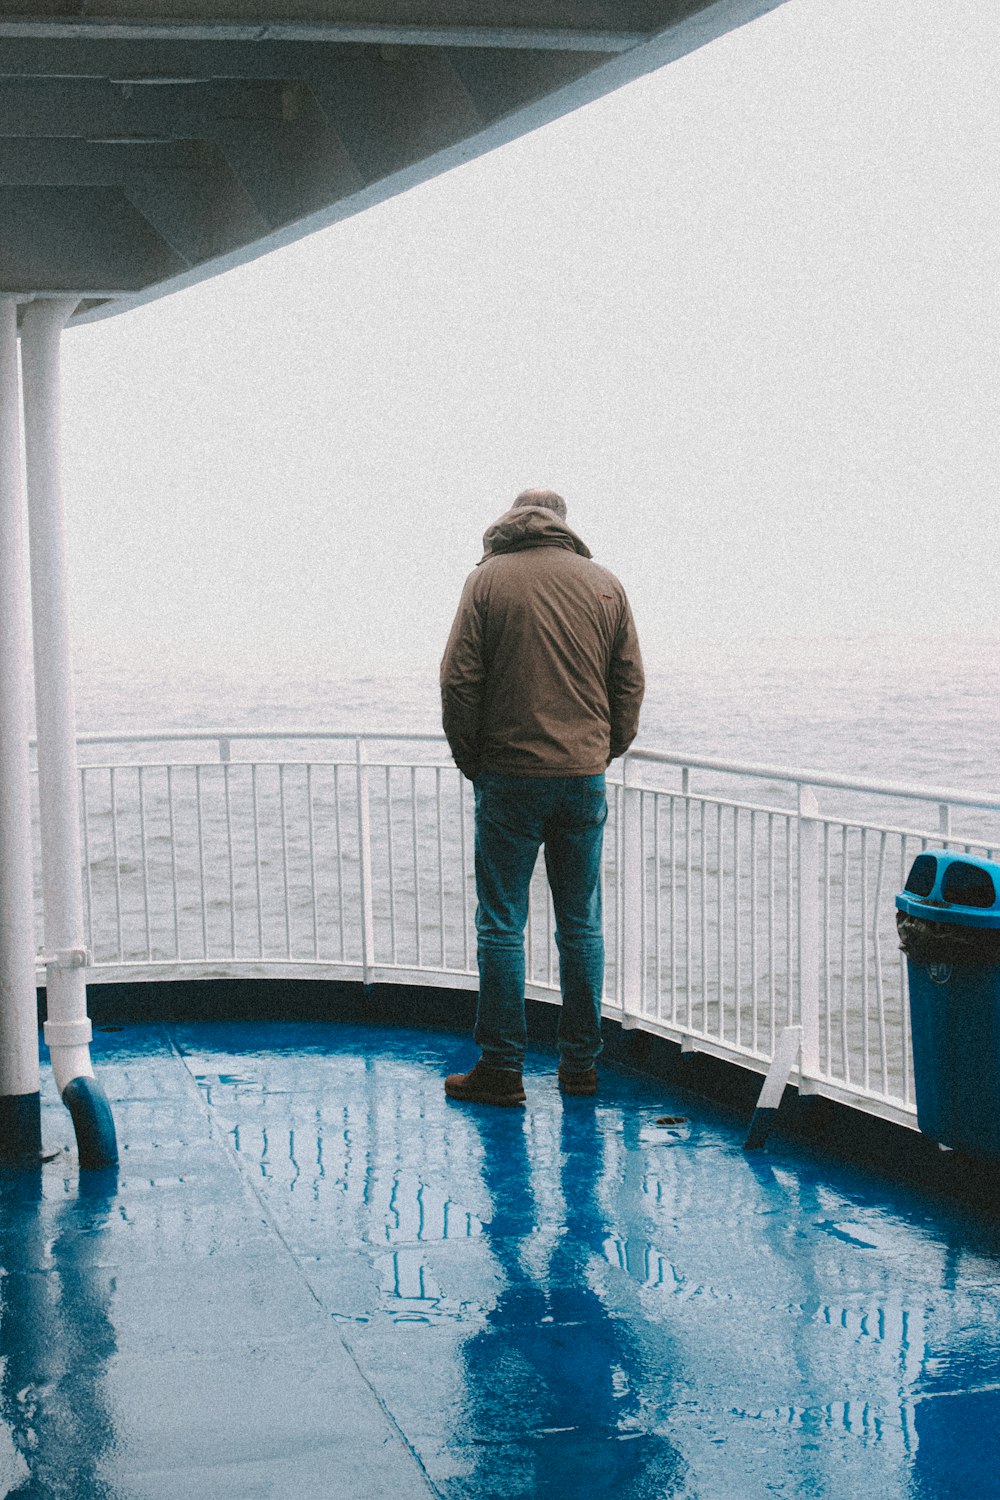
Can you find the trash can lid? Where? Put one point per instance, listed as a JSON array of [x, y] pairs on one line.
[[947, 887]]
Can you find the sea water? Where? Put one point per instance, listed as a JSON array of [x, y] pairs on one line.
[[915, 711]]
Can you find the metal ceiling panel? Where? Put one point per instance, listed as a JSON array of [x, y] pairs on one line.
[[157, 142]]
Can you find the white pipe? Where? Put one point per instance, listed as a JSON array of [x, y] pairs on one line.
[[19, 1074], [67, 1030]]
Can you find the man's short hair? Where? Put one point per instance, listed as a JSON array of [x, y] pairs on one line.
[[548, 499]]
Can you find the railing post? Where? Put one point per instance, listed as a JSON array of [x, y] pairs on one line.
[[365, 863], [808, 934], [630, 902], [944, 821]]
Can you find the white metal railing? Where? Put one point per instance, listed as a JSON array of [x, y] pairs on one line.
[[735, 903]]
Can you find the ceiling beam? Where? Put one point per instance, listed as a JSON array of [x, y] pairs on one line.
[[291, 167], [103, 111], [523, 78], [62, 163], [532, 38], [185, 190], [391, 113], [79, 240], [100, 58], [231, 162], [197, 214]]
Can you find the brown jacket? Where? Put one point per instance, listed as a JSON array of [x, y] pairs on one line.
[[542, 674]]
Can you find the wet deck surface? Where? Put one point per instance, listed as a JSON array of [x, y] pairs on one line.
[[315, 1277]]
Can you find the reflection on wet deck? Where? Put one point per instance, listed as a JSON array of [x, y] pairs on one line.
[[314, 1276]]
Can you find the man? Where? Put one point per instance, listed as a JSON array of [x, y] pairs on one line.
[[541, 684]]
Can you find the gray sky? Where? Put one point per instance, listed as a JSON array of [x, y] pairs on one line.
[[743, 314]]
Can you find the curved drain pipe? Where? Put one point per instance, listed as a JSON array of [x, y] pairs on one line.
[[68, 1042], [67, 1030], [96, 1142]]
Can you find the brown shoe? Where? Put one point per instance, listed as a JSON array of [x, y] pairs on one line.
[[578, 1083], [486, 1085]]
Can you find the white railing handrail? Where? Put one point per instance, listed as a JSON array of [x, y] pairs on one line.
[[135, 737], [795, 775], [812, 777], [725, 921]]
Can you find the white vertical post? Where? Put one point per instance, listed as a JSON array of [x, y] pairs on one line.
[[20, 1118], [808, 935], [365, 863], [67, 1030], [630, 902]]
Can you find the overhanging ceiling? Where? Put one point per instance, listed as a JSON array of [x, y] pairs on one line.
[[149, 144]]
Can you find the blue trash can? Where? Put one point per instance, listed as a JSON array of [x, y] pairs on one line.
[[948, 916]]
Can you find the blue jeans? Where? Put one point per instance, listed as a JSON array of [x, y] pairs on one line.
[[514, 816]]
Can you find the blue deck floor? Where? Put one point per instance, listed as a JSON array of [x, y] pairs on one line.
[[315, 1277]]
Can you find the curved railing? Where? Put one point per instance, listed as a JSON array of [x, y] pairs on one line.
[[736, 903]]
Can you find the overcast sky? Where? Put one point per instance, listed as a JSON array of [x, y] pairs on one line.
[[743, 314]]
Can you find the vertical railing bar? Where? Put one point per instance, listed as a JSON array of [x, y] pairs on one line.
[[903, 983], [313, 885], [226, 767], [772, 957], [720, 896], [340, 863], [365, 859], [416, 865], [284, 860], [620, 874], [440, 863], [844, 920], [688, 921], [604, 913], [827, 1009], [464, 837], [145, 864], [865, 1029], [807, 944], [657, 875], [619, 989], [549, 924], [877, 963], [737, 926], [529, 950], [114, 856], [88, 889], [642, 936], [201, 861], [390, 849], [673, 908], [256, 860], [173, 862], [754, 916], [704, 916], [789, 944]]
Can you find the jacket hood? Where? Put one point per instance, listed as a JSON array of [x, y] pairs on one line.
[[530, 526]]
